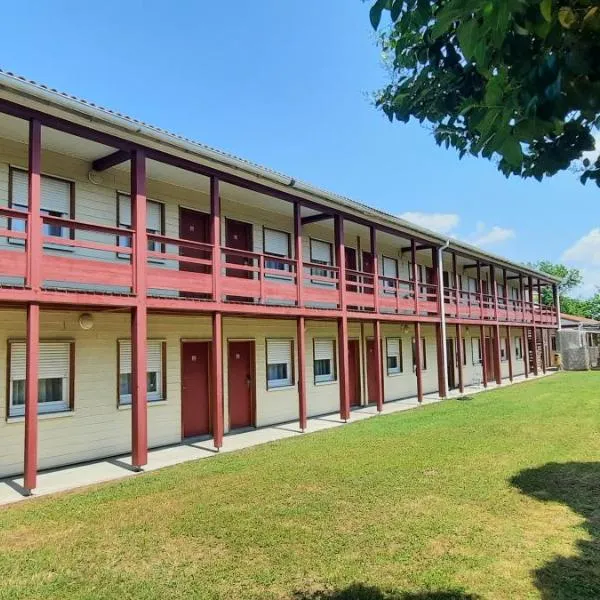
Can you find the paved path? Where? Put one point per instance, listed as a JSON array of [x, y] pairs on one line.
[[69, 478]]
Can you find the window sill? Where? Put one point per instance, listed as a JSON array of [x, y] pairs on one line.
[[281, 388], [150, 403], [43, 416], [320, 383], [395, 374]]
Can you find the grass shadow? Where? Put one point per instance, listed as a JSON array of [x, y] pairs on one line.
[[359, 591], [577, 485]]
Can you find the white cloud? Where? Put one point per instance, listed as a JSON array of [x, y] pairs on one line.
[[440, 222], [484, 236], [585, 255]]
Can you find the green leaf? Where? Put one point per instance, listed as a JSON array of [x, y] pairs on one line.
[[468, 38], [512, 152], [375, 12], [566, 17], [546, 9], [396, 9]]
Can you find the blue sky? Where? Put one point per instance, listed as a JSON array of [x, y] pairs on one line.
[[286, 84]]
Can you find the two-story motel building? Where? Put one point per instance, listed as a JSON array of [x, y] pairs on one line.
[[153, 289]]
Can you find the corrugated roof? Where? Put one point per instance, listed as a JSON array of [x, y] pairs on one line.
[[9, 79]]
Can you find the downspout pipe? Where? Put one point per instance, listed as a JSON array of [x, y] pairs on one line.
[[444, 392]]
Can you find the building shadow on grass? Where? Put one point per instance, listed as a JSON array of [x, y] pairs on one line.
[[358, 591], [577, 485]]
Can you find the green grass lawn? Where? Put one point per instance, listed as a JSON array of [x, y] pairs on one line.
[[492, 497]]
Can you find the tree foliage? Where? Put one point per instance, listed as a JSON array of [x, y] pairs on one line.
[[513, 80]]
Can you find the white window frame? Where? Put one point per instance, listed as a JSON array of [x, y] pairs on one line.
[[504, 349], [329, 263], [46, 371], [393, 349], [284, 267], [477, 344], [125, 358], [518, 347], [273, 384], [389, 287], [332, 375]]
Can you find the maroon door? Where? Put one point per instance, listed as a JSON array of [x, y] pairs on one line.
[[350, 254], [241, 384], [195, 412], [372, 367], [354, 372], [238, 235], [194, 226], [490, 355]]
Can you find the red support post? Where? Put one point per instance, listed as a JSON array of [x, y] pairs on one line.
[[344, 361], [34, 217], [418, 362], [377, 353], [32, 352], [298, 254], [509, 352], [217, 374], [494, 290], [484, 356], [301, 334], [497, 354], [439, 339], [456, 285], [415, 274], [480, 293], [373, 236], [215, 226], [139, 317], [522, 294], [505, 285], [461, 358], [543, 334], [534, 349], [525, 350], [340, 254]]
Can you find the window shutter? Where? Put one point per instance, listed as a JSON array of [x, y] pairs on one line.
[[279, 351], [277, 242], [321, 251], [153, 216], [153, 354], [56, 195], [393, 347], [54, 360], [19, 188], [390, 267], [323, 349], [124, 210]]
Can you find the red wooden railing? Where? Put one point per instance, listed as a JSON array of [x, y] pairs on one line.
[[13, 259]]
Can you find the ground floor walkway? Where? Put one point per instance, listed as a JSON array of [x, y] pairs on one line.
[[110, 469]]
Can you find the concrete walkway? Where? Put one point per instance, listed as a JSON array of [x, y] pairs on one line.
[[69, 478]]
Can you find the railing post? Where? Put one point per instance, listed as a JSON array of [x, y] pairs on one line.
[[556, 304], [497, 353], [509, 351], [217, 374], [535, 356], [301, 335], [139, 326], [418, 370], [215, 217], [32, 351], [525, 350], [415, 274], [373, 237], [480, 291], [456, 285], [261, 274], [484, 356], [378, 363], [494, 290], [34, 217], [505, 285], [298, 254], [459, 352], [344, 361], [340, 253], [522, 294]]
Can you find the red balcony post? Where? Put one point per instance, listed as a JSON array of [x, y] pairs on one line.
[[544, 358], [555, 305], [497, 354], [505, 285], [261, 274], [418, 363], [525, 350], [540, 303], [217, 374], [301, 334], [344, 360], [340, 254], [298, 254], [441, 373], [484, 356], [509, 352], [34, 217], [534, 349], [461, 358], [378, 363], [456, 285], [32, 352], [139, 324], [531, 304], [373, 236], [215, 226], [494, 290], [522, 294], [415, 274]]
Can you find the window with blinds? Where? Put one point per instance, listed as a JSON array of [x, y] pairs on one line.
[[54, 378], [276, 244], [280, 363], [321, 253], [390, 269], [154, 221], [324, 360], [394, 356], [55, 201], [154, 371]]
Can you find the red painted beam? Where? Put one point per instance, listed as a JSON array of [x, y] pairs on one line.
[[484, 356], [497, 354], [459, 352], [440, 363], [302, 408], [34, 218], [535, 355], [316, 218], [217, 372], [298, 254], [525, 350], [509, 344], [375, 261], [106, 162], [340, 259], [32, 352], [378, 362], [415, 274], [215, 227], [418, 361], [344, 361]]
